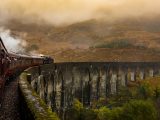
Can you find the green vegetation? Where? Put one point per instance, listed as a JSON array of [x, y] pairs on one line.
[[119, 44], [139, 110], [139, 102], [105, 113], [133, 110], [144, 91], [116, 44]]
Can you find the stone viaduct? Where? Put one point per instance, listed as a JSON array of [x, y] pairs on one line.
[[58, 84]]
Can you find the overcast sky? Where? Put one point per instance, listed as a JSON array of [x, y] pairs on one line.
[[59, 12]]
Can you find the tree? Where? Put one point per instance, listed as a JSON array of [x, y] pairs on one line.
[[107, 114], [144, 91], [139, 110], [104, 113], [75, 112]]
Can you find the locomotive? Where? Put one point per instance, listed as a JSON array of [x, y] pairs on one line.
[[11, 63]]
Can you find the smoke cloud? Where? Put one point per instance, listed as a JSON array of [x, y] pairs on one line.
[[60, 12], [12, 44]]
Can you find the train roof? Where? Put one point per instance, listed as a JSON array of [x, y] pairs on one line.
[[24, 56]]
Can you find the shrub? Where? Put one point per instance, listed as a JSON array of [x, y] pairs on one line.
[[156, 93], [134, 110], [104, 113], [124, 94], [116, 44], [107, 114], [144, 91], [77, 105], [89, 114], [139, 110], [75, 112]]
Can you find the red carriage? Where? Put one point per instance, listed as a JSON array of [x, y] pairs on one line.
[[10, 63]]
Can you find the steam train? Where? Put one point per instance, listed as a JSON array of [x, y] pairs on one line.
[[11, 63]]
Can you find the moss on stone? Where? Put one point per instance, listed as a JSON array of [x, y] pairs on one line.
[[38, 108]]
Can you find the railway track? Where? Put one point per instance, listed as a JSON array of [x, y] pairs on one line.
[[10, 104]]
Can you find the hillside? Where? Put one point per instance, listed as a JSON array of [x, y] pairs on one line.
[[128, 40]]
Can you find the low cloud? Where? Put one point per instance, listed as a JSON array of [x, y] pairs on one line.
[[60, 12]]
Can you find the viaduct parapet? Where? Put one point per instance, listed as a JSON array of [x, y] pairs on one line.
[[60, 83]]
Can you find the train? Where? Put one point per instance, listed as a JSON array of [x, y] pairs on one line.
[[11, 63]]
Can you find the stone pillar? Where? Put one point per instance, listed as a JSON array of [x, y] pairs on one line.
[[151, 73], [50, 90], [132, 76], [102, 85], [113, 84], [141, 75], [34, 84], [94, 86], [58, 94], [69, 84], [77, 87], [41, 86], [108, 84], [123, 79], [63, 92], [86, 89]]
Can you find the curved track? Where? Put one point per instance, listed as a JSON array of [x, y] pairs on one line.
[[10, 104]]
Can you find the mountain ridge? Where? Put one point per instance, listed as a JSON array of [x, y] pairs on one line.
[[92, 35]]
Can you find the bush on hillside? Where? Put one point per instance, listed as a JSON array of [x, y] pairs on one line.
[[116, 44], [134, 110], [144, 91], [139, 110], [75, 112], [105, 113]]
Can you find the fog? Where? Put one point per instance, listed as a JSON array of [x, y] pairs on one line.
[[13, 44], [64, 12]]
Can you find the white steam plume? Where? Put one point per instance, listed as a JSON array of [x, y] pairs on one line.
[[59, 12], [12, 44]]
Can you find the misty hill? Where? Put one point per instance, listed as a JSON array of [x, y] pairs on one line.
[[127, 40]]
